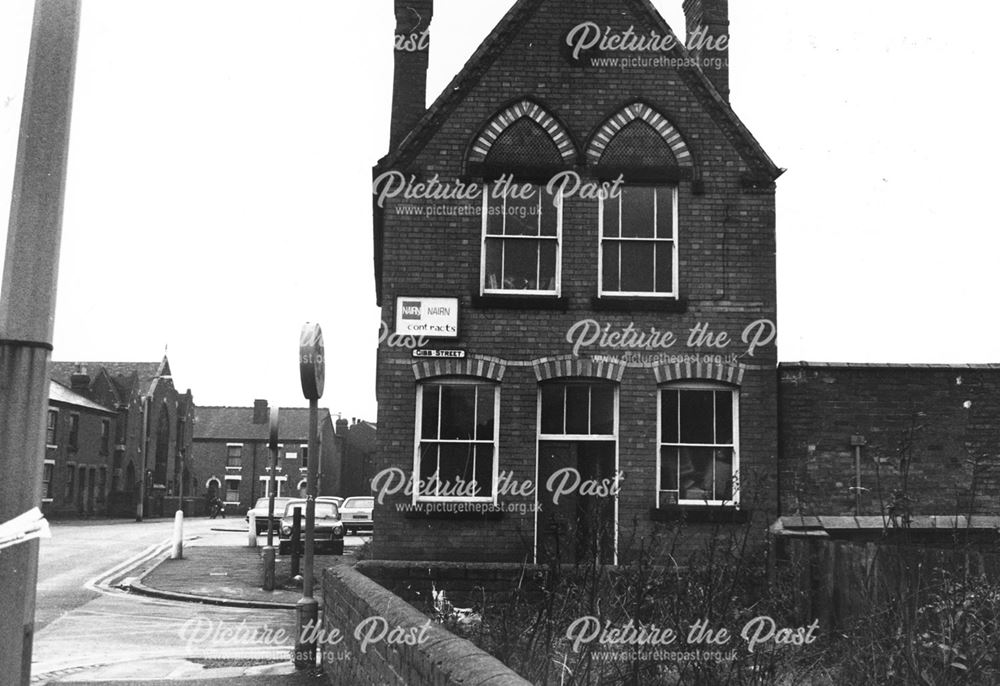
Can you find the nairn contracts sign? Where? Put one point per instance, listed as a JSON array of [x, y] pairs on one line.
[[427, 317]]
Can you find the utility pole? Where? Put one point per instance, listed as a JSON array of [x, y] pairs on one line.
[[27, 310]]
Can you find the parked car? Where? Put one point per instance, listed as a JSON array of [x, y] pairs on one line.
[[260, 512], [357, 513], [328, 531], [330, 499]]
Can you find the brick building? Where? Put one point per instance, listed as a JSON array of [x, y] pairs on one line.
[[575, 261], [145, 428], [77, 450], [231, 451]]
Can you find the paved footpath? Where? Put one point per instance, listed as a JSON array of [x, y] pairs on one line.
[[218, 581]]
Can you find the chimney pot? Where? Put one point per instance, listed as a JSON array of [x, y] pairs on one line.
[[79, 380]]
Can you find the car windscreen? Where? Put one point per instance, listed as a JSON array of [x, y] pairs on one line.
[[323, 509], [327, 510], [359, 502]]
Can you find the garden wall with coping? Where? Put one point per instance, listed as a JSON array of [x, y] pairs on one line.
[[385, 640]]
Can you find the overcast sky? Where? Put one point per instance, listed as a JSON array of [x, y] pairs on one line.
[[219, 182]]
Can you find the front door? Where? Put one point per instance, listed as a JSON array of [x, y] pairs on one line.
[[577, 519]]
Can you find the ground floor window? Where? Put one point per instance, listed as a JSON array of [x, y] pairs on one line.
[[232, 491], [699, 455], [47, 480], [457, 427]]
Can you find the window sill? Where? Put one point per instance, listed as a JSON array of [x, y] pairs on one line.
[[484, 512], [632, 303], [520, 302], [700, 514]]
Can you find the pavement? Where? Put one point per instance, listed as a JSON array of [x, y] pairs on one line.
[[229, 575]]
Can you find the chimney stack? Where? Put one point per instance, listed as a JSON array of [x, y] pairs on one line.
[[260, 412], [341, 427], [79, 381], [708, 39], [412, 54]]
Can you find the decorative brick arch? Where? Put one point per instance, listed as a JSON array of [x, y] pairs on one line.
[[533, 111], [482, 366], [629, 114], [700, 371], [566, 366]]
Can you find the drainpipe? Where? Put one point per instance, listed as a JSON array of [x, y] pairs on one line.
[[857, 442]]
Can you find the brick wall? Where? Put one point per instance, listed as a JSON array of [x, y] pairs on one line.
[[727, 278], [920, 438], [435, 656]]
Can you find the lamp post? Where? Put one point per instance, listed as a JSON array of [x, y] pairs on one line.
[[312, 376], [268, 551], [27, 310]]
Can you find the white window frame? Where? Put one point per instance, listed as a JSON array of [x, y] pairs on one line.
[[54, 428], [239, 484], [228, 466], [699, 386], [613, 436], [47, 493], [417, 431], [675, 286], [558, 238]]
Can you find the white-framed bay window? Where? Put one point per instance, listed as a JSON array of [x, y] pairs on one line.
[[522, 240], [699, 444], [638, 242], [457, 434]]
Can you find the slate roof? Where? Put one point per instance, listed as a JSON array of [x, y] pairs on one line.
[[236, 424], [63, 395], [147, 371]]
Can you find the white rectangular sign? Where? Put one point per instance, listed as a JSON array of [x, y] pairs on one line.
[[428, 317]]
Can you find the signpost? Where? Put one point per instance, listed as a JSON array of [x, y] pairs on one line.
[[312, 374]]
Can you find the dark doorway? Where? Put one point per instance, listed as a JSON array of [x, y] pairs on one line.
[[576, 523]]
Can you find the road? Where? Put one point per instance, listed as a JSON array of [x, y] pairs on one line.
[[79, 623]]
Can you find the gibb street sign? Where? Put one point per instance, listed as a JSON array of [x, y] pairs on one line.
[[312, 367]]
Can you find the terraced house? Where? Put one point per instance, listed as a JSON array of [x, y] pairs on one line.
[[575, 261]]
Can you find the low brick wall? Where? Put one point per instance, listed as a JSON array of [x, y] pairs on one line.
[[414, 651]]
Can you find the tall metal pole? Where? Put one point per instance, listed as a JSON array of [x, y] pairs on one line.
[[312, 374], [27, 310]]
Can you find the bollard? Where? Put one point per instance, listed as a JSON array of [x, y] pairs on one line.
[[177, 552], [252, 531], [296, 542], [307, 626], [268, 554]]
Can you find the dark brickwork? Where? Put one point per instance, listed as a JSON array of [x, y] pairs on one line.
[[921, 438], [434, 658], [726, 265]]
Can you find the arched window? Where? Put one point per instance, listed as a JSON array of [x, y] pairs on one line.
[[523, 135], [637, 136], [522, 220]]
